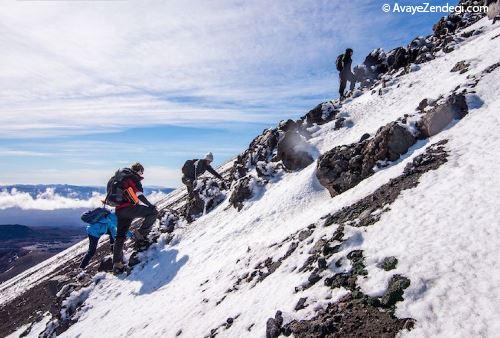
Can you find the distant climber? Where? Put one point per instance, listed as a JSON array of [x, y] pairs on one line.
[[493, 9], [104, 225], [343, 64], [125, 192], [192, 169]]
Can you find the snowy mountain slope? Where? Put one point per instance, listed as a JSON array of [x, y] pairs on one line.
[[219, 274], [428, 229]]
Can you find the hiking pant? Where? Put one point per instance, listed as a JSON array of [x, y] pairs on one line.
[[189, 183], [344, 77], [93, 241], [125, 217]]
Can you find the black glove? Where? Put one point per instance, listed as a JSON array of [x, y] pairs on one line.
[[144, 200]]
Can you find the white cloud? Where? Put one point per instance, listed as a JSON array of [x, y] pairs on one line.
[[86, 67], [154, 176], [44, 201], [22, 153]]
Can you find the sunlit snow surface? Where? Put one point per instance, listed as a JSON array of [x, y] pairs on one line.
[[444, 232]]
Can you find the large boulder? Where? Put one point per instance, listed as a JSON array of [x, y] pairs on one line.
[[441, 115], [389, 143], [343, 167], [321, 114], [398, 58], [293, 151], [243, 190]]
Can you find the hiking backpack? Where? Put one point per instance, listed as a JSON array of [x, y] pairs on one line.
[[340, 62], [188, 169], [95, 215], [114, 192]]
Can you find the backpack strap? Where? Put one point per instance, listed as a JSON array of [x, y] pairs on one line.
[[196, 169]]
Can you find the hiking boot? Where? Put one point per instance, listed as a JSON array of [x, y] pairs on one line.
[[81, 274], [118, 268]]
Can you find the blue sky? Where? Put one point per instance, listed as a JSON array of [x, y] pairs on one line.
[[87, 87]]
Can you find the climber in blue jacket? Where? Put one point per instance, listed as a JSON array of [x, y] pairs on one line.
[[106, 225]]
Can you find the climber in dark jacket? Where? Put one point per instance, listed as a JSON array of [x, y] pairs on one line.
[[346, 72], [192, 169], [131, 209]]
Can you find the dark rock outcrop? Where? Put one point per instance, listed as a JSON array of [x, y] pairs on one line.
[[242, 191], [207, 195], [321, 114], [351, 317], [293, 151], [343, 167], [169, 221]]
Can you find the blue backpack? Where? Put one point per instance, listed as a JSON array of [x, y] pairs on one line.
[[93, 216]]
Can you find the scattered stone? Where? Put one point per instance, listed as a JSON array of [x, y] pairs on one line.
[[106, 264], [322, 263], [301, 304], [388, 263], [461, 66], [313, 278], [343, 279], [304, 234], [273, 326], [395, 291]]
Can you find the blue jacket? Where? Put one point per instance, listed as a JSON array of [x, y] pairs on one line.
[[102, 227]]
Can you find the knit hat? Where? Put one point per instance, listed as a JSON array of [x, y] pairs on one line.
[[209, 157], [137, 167]]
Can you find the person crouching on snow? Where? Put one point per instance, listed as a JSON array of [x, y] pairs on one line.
[[106, 225]]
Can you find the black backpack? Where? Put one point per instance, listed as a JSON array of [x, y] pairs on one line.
[[93, 216], [188, 169], [114, 191], [340, 62]]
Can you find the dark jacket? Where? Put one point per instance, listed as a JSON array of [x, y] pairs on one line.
[[193, 169], [347, 62]]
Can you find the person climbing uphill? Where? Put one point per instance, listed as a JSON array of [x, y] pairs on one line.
[[105, 225], [192, 169], [125, 189], [343, 64]]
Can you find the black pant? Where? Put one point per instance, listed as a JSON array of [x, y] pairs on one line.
[[125, 217], [189, 183], [93, 241], [344, 77]]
